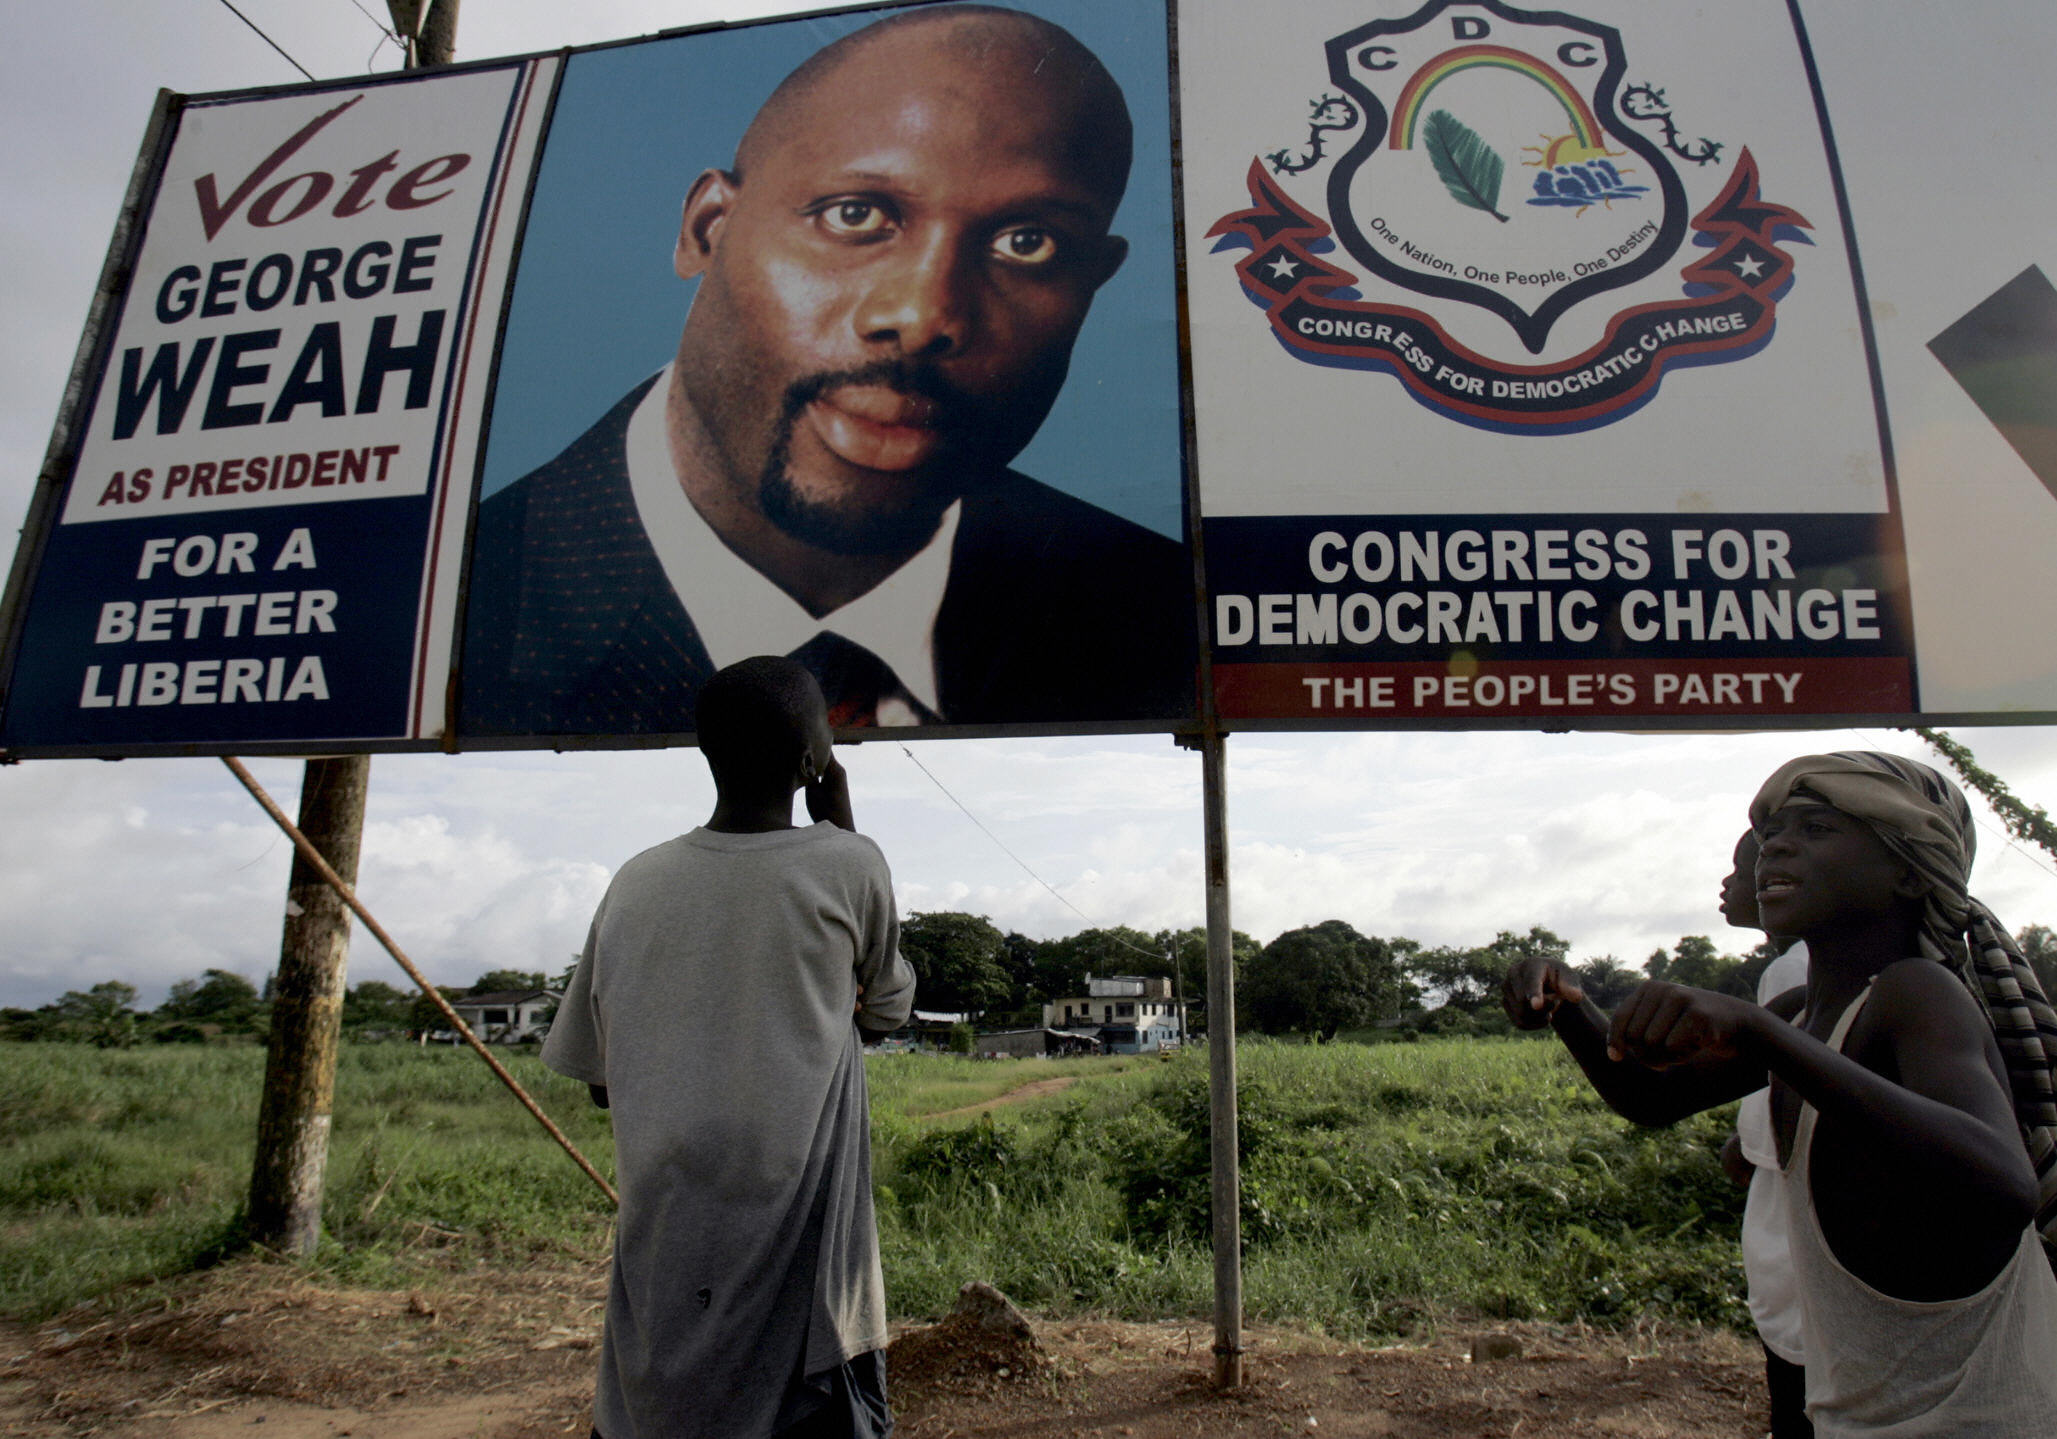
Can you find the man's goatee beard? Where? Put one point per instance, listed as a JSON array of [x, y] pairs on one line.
[[825, 526]]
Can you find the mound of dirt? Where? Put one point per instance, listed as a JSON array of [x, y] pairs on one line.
[[983, 1343]]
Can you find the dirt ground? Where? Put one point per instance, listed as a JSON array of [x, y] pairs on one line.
[[253, 1350]]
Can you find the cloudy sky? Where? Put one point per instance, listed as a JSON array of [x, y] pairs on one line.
[[153, 870]]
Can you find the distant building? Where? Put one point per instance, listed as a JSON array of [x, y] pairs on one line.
[[924, 1029], [1030, 1043], [508, 1016], [1132, 1013]]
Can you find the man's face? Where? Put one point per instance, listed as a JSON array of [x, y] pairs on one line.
[[890, 290]]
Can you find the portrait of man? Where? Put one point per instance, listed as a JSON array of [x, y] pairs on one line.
[[890, 278]]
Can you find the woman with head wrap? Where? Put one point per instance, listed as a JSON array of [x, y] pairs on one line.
[[1911, 1098]]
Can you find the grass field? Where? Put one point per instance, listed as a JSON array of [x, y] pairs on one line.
[[1383, 1185]]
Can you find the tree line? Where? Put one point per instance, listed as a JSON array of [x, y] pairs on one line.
[[224, 1006], [1320, 980]]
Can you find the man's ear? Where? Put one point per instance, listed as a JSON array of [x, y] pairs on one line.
[[704, 216], [1910, 885], [1113, 250]]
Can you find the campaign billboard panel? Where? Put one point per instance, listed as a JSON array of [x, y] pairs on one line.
[[261, 536], [855, 366], [1535, 374]]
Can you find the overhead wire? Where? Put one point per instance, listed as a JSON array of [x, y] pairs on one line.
[[1026, 869], [386, 34], [267, 39]]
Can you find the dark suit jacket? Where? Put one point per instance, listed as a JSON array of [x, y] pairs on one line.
[[1056, 611]]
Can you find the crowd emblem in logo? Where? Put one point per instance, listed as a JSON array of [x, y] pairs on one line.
[[1487, 159]]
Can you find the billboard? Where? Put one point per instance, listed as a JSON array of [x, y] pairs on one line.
[[818, 391], [1525, 368], [490, 484], [261, 534], [1532, 371], [1537, 379]]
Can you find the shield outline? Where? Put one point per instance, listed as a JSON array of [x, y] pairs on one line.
[[1532, 328]]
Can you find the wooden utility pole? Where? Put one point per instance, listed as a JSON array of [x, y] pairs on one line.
[[428, 28], [307, 1013], [307, 996]]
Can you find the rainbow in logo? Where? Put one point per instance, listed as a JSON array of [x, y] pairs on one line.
[[1408, 109]]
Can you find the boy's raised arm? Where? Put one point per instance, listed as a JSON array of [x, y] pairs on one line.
[[829, 796], [1536, 992], [1948, 1120]]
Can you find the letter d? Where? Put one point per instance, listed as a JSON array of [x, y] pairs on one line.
[[1235, 620], [1469, 27]]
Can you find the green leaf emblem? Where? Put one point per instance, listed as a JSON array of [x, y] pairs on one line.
[[1469, 168]]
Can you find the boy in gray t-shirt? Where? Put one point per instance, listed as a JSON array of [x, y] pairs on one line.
[[712, 1014]]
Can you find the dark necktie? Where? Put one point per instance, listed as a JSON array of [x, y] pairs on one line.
[[853, 679]]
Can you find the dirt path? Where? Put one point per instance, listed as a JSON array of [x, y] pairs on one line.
[[1034, 1089], [509, 1355]]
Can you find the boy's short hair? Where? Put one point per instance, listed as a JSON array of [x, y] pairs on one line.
[[753, 718]]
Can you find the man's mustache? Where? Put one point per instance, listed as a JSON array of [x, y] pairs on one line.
[[953, 411]]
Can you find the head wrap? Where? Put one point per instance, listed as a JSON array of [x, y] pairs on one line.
[[1923, 820]]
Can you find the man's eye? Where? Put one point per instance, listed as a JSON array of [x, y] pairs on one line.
[[854, 219], [1026, 245]]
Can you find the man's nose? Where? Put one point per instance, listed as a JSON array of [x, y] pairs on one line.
[[921, 300]]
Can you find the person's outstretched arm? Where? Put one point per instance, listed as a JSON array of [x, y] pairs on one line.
[[1536, 992], [1945, 1120]]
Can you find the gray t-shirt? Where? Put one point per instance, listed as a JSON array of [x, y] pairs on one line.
[[715, 1000]]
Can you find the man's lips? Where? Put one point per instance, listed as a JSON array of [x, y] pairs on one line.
[[1772, 886], [876, 427]]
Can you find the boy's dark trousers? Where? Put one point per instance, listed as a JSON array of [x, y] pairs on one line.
[[1788, 1384]]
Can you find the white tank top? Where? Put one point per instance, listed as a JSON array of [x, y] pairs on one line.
[[1980, 1367], [1774, 1293]]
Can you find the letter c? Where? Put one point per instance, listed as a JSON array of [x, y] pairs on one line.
[[1317, 563], [1571, 51], [1398, 633], [1364, 57]]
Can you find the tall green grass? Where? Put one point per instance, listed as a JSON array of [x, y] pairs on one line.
[[124, 1166], [1382, 1185]]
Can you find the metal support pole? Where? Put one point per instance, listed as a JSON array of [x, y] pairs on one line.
[[1221, 1070]]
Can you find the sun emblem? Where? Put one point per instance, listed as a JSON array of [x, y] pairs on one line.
[[1579, 172]]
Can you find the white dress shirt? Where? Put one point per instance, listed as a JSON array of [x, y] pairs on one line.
[[740, 613]]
